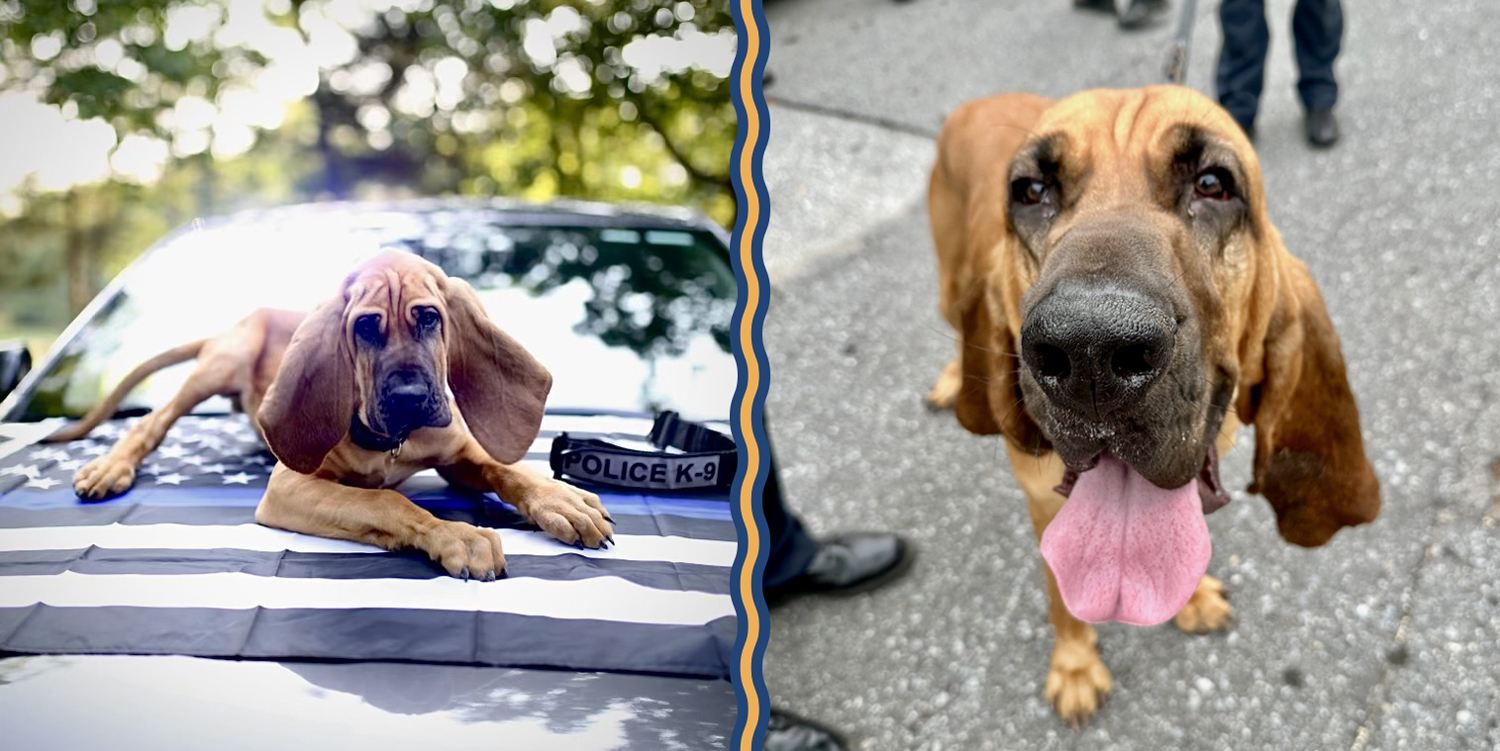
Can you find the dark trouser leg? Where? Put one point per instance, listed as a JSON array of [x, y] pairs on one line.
[[1242, 61], [790, 547], [1318, 26]]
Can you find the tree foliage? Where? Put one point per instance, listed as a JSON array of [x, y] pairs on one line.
[[599, 99]]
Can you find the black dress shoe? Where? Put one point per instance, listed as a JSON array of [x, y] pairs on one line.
[[788, 732], [848, 564], [1102, 6], [1322, 128], [1142, 13]]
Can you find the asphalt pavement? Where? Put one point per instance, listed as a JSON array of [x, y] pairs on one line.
[[1387, 638]]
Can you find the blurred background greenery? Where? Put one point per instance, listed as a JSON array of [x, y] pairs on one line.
[[123, 119]]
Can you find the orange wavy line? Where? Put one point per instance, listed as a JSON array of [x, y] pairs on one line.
[[747, 500]]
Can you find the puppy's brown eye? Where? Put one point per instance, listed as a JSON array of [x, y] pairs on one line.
[[1028, 192], [1212, 183], [367, 327], [427, 318]]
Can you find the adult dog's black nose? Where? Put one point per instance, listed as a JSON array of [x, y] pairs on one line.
[[1095, 349]]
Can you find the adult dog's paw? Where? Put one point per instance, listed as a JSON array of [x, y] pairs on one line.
[[1207, 610], [570, 514], [466, 551], [104, 477], [944, 393], [1077, 680]]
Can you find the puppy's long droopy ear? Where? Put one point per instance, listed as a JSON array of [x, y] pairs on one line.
[[1309, 456], [989, 399], [501, 389], [311, 402]]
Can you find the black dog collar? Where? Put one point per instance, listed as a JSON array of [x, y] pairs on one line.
[[709, 458], [367, 439]]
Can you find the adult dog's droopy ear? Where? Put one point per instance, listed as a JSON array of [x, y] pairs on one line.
[[989, 398], [311, 401], [501, 389], [1309, 456]]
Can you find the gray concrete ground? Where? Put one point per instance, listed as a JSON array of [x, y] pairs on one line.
[[1388, 638]]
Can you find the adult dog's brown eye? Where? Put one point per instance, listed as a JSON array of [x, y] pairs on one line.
[[1212, 184], [1028, 192]]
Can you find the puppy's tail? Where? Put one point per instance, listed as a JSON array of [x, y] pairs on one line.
[[106, 408]]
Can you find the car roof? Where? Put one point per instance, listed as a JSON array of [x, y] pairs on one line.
[[503, 210]]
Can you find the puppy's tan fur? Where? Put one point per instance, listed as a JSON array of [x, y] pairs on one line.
[[303, 378]]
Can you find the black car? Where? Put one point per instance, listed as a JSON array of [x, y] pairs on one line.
[[165, 618]]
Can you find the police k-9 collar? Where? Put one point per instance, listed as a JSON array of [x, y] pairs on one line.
[[708, 458]]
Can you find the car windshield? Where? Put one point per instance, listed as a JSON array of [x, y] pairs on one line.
[[627, 315]]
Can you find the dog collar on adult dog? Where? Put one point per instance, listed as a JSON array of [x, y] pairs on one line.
[[709, 458]]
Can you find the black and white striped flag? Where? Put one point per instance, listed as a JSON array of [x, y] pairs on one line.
[[177, 565]]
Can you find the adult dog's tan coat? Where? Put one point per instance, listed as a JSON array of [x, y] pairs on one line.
[[1264, 328], [306, 379]]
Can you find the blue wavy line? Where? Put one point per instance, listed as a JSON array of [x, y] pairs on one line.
[[755, 68]]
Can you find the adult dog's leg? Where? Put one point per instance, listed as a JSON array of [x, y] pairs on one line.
[[1077, 680], [570, 514], [945, 215], [1208, 609], [315, 506]]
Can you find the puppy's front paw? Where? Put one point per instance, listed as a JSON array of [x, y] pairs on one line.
[[1077, 680], [1207, 610], [104, 477], [466, 551], [569, 514]]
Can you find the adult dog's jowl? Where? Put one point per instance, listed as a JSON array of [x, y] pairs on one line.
[[1123, 303]]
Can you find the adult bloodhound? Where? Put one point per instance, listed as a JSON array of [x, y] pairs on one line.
[[352, 401], [1122, 303]]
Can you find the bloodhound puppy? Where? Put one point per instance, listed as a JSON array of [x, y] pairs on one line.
[[1122, 302], [352, 401]]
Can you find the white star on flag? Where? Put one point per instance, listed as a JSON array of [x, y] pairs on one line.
[[172, 452], [172, 479], [50, 455], [193, 460], [43, 483], [238, 479], [94, 449], [70, 465], [28, 470], [214, 469]]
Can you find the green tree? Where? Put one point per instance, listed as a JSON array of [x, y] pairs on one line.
[[608, 99]]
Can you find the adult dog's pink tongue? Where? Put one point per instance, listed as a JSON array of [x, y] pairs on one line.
[[1125, 550]]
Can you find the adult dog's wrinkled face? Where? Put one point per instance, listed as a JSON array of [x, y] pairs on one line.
[[1133, 290], [395, 333], [1134, 225]]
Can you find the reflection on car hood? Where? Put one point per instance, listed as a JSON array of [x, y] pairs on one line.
[[169, 703]]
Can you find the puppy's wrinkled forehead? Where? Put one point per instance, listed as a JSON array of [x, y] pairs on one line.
[[394, 280]]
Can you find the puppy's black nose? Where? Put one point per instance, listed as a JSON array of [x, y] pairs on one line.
[[406, 391], [1096, 349]]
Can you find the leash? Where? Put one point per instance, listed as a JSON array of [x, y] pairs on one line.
[[1177, 54]]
